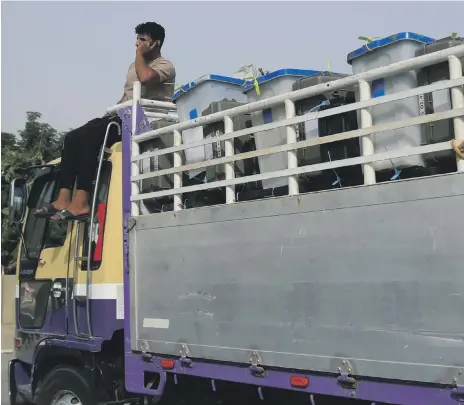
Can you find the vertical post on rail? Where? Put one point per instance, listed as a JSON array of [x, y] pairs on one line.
[[457, 100], [135, 149], [177, 176], [367, 140], [292, 158], [229, 167]]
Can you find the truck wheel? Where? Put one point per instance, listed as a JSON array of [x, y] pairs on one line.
[[66, 386]]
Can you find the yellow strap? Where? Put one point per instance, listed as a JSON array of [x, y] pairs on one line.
[[181, 87], [368, 40], [458, 149], [255, 83]]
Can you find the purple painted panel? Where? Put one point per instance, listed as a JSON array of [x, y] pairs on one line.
[[143, 125], [22, 373], [104, 322], [393, 393], [71, 342], [55, 319], [125, 116], [133, 371], [105, 311], [135, 377]]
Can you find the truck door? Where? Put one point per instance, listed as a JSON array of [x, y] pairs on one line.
[[43, 268]]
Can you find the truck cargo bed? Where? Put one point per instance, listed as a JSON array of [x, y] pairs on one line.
[[373, 275]]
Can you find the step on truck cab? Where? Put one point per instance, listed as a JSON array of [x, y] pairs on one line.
[[209, 291]]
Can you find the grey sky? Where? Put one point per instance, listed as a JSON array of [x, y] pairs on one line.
[[68, 60]]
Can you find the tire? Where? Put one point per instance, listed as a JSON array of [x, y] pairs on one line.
[[66, 382]]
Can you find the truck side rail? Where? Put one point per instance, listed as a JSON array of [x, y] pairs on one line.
[[362, 81], [165, 110]]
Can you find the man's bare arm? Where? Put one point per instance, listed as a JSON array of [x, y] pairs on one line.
[[144, 72]]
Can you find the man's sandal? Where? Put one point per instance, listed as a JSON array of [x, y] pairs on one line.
[[47, 211]]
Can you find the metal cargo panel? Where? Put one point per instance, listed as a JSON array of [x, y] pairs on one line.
[[373, 275]]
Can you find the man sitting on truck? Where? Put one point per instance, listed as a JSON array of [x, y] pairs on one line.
[[79, 158]]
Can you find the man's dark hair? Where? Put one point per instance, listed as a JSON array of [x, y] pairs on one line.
[[153, 30]]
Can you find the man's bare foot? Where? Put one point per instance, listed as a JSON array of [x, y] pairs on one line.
[[79, 204], [61, 205], [76, 209], [63, 200]]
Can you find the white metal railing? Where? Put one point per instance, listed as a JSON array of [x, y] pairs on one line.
[[366, 130], [165, 110], [162, 105], [169, 114]]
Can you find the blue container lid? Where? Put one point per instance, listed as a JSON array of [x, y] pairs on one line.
[[381, 42], [287, 72], [215, 78]]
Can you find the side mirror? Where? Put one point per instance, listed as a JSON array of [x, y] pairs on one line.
[[18, 200], [6, 260], [5, 194]]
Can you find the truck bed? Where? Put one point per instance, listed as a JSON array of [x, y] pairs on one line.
[[372, 275]]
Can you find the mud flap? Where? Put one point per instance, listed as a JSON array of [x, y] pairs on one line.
[[12, 390]]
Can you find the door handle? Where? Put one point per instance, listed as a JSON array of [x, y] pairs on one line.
[[58, 289]]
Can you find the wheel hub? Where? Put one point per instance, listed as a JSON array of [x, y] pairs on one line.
[[66, 398]]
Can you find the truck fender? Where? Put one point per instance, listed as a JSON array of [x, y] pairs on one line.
[[51, 352]]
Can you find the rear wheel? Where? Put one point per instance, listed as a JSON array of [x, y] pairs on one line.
[[66, 386]]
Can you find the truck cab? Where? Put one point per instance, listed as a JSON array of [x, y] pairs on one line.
[[54, 314]]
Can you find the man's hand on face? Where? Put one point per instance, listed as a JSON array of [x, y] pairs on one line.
[[145, 47]]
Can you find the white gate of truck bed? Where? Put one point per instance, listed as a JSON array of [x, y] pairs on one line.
[[363, 81]]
